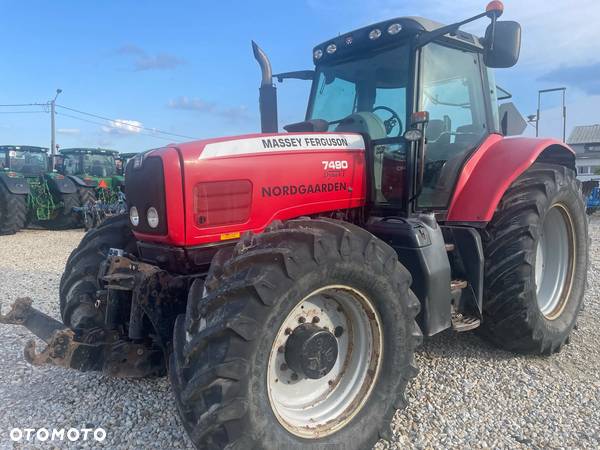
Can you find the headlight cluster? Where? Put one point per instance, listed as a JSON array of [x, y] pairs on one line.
[[374, 34], [151, 216]]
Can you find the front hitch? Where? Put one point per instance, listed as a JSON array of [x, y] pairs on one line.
[[93, 350]]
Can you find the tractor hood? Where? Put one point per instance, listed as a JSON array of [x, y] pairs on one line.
[[256, 144], [243, 183]]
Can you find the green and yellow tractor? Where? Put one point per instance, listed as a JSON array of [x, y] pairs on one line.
[[32, 193]]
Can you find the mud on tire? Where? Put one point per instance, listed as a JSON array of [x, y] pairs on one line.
[[513, 317], [13, 211], [222, 346]]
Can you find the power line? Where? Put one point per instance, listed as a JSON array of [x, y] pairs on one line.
[[109, 125], [153, 130], [23, 112], [27, 104]]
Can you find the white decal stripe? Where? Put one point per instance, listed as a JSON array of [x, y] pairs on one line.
[[284, 143]]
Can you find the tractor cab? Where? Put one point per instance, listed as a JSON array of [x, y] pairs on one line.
[[96, 167], [27, 161], [423, 94]]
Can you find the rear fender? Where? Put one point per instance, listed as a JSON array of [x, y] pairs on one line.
[[61, 184], [15, 185], [491, 170]]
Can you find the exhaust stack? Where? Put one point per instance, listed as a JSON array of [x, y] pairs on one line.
[[267, 93]]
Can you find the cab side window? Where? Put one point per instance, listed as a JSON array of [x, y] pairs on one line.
[[452, 93]]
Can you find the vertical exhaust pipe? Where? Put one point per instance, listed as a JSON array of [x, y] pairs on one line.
[[267, 93]]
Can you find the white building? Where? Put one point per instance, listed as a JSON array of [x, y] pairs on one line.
[[585, 140]]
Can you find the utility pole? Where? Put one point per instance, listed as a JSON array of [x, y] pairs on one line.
[[53, 127], [564, 110]]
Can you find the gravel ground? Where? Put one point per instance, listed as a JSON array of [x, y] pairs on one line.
[[467, 395]]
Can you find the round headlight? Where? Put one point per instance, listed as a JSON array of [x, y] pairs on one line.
[[152, 217], [318, 53], [375, 34], [394, 28], [134, 217], [331, 48]]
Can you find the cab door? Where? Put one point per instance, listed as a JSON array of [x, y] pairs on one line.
[[452, 89]]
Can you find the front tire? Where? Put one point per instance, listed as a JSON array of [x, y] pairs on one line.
[[536, 251], [229, 366], [79, 283], [66, 218], [13, 211]]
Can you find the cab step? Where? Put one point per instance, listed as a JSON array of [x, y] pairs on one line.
[[461, 323]]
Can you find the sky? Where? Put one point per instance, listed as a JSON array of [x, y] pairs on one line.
[[186, 67]]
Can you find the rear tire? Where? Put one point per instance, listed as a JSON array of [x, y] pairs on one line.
[[86, 195], [225, 345], [536, 252], [13, 211], [79, 283]]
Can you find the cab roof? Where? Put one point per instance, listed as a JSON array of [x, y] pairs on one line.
[[88, 151], [359, 40], [24, 148]]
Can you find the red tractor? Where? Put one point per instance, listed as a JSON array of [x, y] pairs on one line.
[[284, 280]]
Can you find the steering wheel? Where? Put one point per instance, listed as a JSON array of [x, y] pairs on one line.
[[392, 121]]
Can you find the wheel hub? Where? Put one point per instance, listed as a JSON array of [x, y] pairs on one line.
[[311, 351], [554, 262], [324, 361]]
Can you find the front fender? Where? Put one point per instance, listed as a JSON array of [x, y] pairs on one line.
[[493, 167], [15, 185], [78, 181]]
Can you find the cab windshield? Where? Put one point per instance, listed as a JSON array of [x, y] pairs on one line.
[[27, 162], [373, 90], [90, 164], [373, 84]]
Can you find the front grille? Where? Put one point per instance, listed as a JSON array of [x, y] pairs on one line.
[[144, 188]]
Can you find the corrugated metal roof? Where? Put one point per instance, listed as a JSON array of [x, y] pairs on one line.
[[588, 134]]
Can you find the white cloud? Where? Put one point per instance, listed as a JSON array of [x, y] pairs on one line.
[[68, 131], [231, 113], [123, 126], [142, 60], [192, 104]]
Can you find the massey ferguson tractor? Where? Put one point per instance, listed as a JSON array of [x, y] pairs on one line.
[[284, 280]]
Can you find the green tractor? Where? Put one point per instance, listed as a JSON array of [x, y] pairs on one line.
[[99, 179], [31, 192], [93, 168]]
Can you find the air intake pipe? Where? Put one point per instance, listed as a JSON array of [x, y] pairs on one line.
[[267, 93]]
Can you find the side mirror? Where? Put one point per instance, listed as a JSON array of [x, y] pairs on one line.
[[502, 44]]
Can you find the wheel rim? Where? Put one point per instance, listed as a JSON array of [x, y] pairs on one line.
[[314, 408], [554, 262]]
